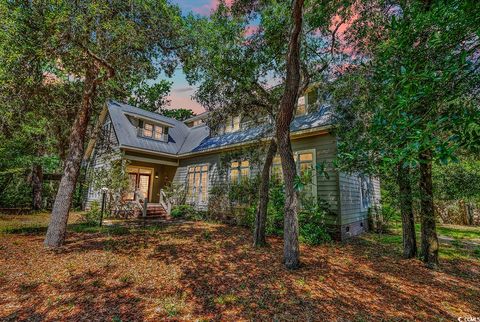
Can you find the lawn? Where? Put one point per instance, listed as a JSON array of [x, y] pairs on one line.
[[204, 271]]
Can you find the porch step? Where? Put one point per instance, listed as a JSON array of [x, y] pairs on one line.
[[156, 211]]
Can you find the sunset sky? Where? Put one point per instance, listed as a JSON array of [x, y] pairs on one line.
[[181, 93]]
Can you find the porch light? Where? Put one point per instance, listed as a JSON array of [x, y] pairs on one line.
[[156, 175]]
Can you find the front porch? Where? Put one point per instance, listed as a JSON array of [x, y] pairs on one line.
[[149, 175]]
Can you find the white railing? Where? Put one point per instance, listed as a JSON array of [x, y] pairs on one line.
[[166, 204]]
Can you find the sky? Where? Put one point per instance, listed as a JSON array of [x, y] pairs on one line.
[[181, 93]]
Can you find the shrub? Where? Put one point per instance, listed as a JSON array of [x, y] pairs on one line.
[[379, 219], [183, 211], [312, 226], [92, 217], [218, 204], [275, 210]]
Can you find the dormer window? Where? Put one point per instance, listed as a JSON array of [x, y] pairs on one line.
[[233, 124], [153, 131], [301, 106]]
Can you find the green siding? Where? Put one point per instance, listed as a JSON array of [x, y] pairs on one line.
[[350, 198], [326, 148]]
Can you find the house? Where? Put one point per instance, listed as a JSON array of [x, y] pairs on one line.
[[161, 150]]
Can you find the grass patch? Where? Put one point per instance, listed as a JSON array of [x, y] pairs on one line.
[[114, 230], [459, 232], [454, 250]]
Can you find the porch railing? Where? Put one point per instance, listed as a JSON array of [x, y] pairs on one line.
[[166, 204]]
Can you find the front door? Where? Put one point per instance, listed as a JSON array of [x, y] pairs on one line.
[[140, 180], [143, 184]]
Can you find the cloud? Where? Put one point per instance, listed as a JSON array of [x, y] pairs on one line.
[[179, 101], [207, 8], [183, 89], [250, 30]]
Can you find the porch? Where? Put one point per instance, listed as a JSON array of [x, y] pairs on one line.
[[148, 175]]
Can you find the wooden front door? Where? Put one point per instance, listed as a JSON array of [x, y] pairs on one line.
[[140, 182]]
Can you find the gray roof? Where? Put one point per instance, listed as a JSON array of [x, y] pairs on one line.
[[183, 139], [322, 117]]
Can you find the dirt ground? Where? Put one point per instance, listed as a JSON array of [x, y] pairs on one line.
[[196, 271]]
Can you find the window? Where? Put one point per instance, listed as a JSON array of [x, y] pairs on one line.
[[197, 184], [156, 132], [301, 106], [365, 196], [239, 171], [277, 173], [198, 122], [305, 161], [147, 130], [233, 124]]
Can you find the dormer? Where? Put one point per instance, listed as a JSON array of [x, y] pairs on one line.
[[307, 102], [150, 128], [196, 120]]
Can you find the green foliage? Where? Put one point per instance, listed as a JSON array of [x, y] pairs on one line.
[[47, 48], [185, 212], [415, 92], [311, 217], [151, 97], [244, 192], [180, 114], [92, 217], [460, 180], [175, 193]]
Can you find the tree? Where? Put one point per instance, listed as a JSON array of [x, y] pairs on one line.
[[151, 97], [245, 73], [180, 114], [233, 80], [31, 138], [421, 73], [291, 251], [105, 46]]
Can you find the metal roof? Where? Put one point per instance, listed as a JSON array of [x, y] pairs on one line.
[[183, 140]]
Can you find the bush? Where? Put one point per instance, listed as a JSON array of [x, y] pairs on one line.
[[92, 217], [379, 219], [184, 211], [312, 226], [275, 210]]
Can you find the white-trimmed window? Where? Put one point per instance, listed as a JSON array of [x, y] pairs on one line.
[[239, 171], [276, 172], [365, 191], [305, 161], [232, 124], [197, 184], [301, 106], [153, 131]]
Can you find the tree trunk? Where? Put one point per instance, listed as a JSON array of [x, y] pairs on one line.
[[58, 222], [406, 209], [429, 252], [37, 186], [263, 197], [291, 251], [470, 214]]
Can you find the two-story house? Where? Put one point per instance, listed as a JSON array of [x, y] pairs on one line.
[[161, 150]]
